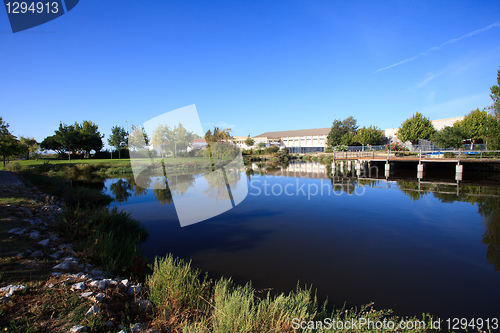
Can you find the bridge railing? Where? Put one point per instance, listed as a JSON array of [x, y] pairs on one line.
[[414, 148], [425, 154]]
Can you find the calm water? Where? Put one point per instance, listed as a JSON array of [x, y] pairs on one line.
[[358, 241]]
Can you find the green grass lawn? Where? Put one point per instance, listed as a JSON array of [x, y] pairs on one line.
[[64, 161], [113, 162]]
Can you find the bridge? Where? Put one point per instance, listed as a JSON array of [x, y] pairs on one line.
[[422, 156]]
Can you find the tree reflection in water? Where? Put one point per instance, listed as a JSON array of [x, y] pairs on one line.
[[218, 184], [486, 198], [489, 207], [121, 190], [179, 184], [162, 195]]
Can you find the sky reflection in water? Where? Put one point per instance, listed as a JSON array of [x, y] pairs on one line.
[[412, 250]]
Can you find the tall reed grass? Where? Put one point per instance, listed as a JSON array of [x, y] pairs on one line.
[[186, 301], [111, 238]]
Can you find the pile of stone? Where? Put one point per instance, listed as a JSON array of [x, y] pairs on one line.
[[93, 281]]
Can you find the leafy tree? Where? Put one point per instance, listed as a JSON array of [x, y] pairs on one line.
[[138, 138], [89, 142], [342, 132], [474, 124], [118, 139], [28, 146], [369, 136], [9, 145], [492, 134], [161, 137], [415, 128], [51, 143], [180, 138], [218, 135], [69, 137], [215, 140], [349, 139], [91, 138], [88, 127], [261, 145], [249, 141], [495, 96], [449, 136]]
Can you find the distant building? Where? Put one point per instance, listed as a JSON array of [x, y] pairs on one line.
[[199, 143], [314, 140], [298, 141], [240, 141]]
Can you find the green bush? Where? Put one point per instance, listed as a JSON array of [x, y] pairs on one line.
[[449, 154], [341, 148], [328, 150], [14, 166], [272, 150]]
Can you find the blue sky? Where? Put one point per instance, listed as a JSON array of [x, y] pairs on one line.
[[254, 66]]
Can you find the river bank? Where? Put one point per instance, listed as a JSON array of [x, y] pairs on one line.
[[182, 298]]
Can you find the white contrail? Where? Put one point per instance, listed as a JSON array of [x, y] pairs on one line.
[[435, 48]]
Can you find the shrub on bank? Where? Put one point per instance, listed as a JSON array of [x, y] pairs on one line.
[[14, 166], [110, 237], [271, 150]]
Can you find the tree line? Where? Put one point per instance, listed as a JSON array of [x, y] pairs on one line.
[[477, 126], [83, 138], [10, 145], [347, 133]]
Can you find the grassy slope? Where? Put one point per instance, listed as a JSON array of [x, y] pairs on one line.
[[113, 162]]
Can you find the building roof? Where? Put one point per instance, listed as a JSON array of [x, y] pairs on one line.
[[199, 141], [304, 132]]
